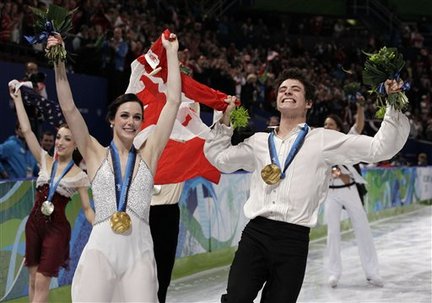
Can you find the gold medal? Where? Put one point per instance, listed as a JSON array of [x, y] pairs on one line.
[[47, 208], [271, 174], [120, 222]]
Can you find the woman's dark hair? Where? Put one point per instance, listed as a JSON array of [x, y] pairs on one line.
[[63, 125], [113, 107], [297, 74], [339, 122]]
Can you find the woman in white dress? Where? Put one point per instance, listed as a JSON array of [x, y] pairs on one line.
[[117, 263]]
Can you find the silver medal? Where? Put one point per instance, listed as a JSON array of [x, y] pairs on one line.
[[47, 208]]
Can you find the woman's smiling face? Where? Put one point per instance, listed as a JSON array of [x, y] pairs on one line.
[[127, 120], [64, 142]]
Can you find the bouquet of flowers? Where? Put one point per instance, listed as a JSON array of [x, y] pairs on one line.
[[386, 64], [239, 117], [55, 19]]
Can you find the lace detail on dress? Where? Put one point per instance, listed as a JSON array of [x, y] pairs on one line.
[[68, 185]]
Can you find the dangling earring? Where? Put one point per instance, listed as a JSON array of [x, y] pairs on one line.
[[111, 125]]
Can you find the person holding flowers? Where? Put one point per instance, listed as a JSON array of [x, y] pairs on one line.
[[117, 264], [290, 178], [47, 229]]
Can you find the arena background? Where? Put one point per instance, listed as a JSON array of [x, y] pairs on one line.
[[212, 217]]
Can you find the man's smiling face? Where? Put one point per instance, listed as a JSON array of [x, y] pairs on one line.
[[291, 96]]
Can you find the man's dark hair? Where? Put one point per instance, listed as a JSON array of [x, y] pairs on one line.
[[48, 133], [297, 74]]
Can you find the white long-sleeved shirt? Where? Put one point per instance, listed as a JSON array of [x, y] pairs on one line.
[[348, 169], [296, 198]]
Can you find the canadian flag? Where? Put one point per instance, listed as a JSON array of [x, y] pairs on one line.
[[183, 157]]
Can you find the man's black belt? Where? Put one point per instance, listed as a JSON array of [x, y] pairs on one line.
[[342, 186]]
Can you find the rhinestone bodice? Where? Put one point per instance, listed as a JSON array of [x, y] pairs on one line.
[[139, 195]]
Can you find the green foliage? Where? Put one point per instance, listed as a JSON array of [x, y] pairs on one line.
[[61, 19], [385, 64], [382, 66], [56, 53], [380, 112], [239, 117]]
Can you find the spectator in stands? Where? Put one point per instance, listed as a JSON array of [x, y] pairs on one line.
[[249, 93], [32, 74], [399, 160], [37, 78], [272, 123], [414, 131], [345, 182], [422, 159], [115, 51], [6, 22], [17, 17], [47, 142], [428, 130], [16, 160], [145, 20], [283, 202]]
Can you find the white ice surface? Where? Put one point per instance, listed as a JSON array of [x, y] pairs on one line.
[[404, 247]]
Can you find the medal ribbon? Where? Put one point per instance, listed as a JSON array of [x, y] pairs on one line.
[[52, 185], [122, 184], [293, 151]]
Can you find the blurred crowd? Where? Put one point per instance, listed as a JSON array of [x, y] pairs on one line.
[[239, 54]]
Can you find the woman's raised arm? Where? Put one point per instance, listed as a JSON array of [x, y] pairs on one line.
[[29, 135], [87, 145], [158, 140]]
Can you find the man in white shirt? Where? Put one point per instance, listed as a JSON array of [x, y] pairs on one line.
[[284, 198]]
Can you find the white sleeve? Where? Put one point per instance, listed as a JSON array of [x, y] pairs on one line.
[[226, 157], [350, 149]]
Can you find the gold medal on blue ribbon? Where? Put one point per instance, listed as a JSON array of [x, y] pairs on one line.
[[272, 173], [120, 221]]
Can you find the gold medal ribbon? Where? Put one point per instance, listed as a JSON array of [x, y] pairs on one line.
[[272, 173], [120, 220]]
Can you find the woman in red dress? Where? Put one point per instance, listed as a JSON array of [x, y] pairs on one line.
[[47, 229]]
